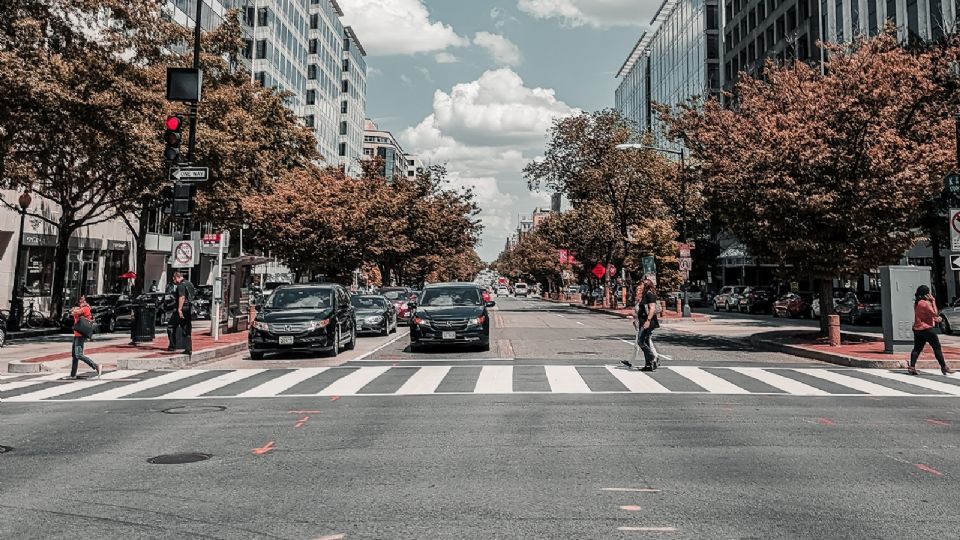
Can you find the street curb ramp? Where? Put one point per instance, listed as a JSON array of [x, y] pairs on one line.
[[772, 341]]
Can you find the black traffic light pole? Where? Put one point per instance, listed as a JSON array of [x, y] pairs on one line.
[[192, 141]]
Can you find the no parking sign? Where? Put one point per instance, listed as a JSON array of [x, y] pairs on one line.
[[185, 254]]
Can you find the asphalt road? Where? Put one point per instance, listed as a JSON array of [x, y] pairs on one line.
[[685, 464]]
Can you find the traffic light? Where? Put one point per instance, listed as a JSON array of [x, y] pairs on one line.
[[183, 199], [171, 136], [166, 195]]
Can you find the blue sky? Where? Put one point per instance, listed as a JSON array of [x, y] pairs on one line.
[[475, 83]]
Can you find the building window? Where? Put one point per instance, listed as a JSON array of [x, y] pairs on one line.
[[728, 10], [343, 107], [804, 7], [311, 97], [314, 46], [803, 50], [263, 16], [771, 40], [781, 27], [839, 20], [346, 65], [260, 77], [345, 87], [308, 120], [314, 21], [713, 22], [753, 19], [728, 43], [312, 72], [262, 48], [713, 46], [248, 48], [411, 174], [713, 76], [343, 128], [913, 22], [792, 19], [936, 19], [892, 11], [761, 48], [761, 12], [343, 149]]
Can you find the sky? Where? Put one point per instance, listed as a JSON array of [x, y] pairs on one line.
[[476, 84]]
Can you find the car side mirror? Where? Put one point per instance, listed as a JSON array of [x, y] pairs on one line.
[[491, 304]]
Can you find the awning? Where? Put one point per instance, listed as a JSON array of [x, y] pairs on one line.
[[247, 260]]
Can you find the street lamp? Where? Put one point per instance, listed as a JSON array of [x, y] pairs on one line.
[[16, 302], [683, 202]]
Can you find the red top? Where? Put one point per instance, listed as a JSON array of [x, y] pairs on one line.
[[82, 311], [925, 315]]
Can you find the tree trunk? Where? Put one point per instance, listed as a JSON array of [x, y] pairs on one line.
[[826, 303], [60, 268], [939, 283]]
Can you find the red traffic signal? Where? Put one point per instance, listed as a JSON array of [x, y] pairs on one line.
[[172, 138], [174, 123]]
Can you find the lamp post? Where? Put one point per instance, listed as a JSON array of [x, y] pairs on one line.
[[16, 302], [683, 203]]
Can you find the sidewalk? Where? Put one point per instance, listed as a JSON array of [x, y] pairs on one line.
[[52, 353]]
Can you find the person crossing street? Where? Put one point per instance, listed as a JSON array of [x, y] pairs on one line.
[[646, 322], [81, 311]]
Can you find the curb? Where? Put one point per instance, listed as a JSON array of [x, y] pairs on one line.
[[178, 361], [42, 332], [839, 359]]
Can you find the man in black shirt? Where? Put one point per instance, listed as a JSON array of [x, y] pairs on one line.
[[646, 322], [182, 320]]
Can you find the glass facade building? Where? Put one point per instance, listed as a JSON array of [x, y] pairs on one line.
[[353, 104], [845, 20], [677, 60]]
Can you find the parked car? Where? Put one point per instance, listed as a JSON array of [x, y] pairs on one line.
[[520, 289], [3, 330], [756, 300], [950, 317], [860, 307], [202, 304], [503, 291], [110, 311], [838, 293], [451, 314], [727, 298], [374, 314], [304, 318], [400, 296], [791, 305]]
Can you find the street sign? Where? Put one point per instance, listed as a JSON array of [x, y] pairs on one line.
[[211, 239], [649, 266], [185, 254], [685, 249], [951, 185], [955, 262], [612, 270], [189, 174], [686, 264], [954, 229], [599, 271]]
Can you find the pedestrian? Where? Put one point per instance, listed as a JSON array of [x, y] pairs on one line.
[[181, 322], [154, 287], [926, 317], [646, 322], [82, 311]]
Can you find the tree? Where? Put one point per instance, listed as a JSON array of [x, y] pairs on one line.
[[534, 258], [828, 173]]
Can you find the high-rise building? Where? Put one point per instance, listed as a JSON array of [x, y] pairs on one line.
[[677, 59], [382, 143], [353, 103], [843, 20]]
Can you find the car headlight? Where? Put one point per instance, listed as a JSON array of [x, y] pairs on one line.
[[376, 319], [316, 325], [477, 321], [261, 326], [421, 321]]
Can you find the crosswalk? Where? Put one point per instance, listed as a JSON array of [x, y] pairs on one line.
[[188, 384]]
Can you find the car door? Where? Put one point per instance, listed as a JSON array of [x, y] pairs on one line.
[[952, 314], [345, 313], [124, 311]]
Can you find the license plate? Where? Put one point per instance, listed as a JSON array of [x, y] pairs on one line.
[[286, 340], [449, 335]]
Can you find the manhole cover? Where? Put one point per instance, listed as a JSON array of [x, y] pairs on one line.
[[194, 409], [5, 449], [179, 459]]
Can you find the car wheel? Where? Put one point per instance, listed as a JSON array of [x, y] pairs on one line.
[[353, 339], [3, 337], [485, 346], [386, 328], [415, 347], [716, 307], [727, 306], [111, 325], [812, 314], [335, 350], [254, 355], [776, 314], [944, 327]]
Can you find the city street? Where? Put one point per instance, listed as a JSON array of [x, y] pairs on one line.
[[544, 436]]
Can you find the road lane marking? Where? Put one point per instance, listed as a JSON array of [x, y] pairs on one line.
[[928, 469], [217, 382], [495, 380], [275, 386], [853, 382], [825, 422], [566, 380], [708, 381], [915, 381], [395, 339], [154, 382], [301, 422], [646, 529], [263, 449], [634, 490], [637, 382], [935, 422], [352, 383], [424, 381], [780, 382]]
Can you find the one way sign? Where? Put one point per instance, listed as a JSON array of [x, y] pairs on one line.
[[955, 262], [189, 174]]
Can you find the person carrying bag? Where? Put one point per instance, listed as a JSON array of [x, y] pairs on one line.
[[83, 329]]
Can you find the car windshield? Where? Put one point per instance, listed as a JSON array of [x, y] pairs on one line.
[[451, 296], [368, 302], [300, 298]]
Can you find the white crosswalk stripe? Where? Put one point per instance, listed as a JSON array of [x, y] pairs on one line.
[[487, 380]]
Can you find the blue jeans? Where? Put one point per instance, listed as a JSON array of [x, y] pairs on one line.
[[78, 342]]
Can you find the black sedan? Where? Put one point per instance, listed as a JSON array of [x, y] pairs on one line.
[[374, 314], [450, 314], [109, 311], [304, 318]]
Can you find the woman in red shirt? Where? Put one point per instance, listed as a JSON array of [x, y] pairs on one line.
[[926, 317], [82, 310]]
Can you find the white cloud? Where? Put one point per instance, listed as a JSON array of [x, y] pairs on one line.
[[504, 51], [426, 74], [595, 13], [446, 58], [501, 17], [486, 131], [397, 27]]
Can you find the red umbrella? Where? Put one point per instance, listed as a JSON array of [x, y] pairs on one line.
[[128, 275]]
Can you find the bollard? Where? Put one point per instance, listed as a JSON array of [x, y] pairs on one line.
[[623, 295], [251, 313], [833, 330], [679, 306]]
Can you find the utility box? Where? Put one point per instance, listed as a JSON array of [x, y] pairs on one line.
[[898, 285]]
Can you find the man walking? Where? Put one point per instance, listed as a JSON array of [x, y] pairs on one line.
[[646, 322], [182, 320]]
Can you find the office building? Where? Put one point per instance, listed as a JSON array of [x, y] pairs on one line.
[[413, 165], [382, 143], [676, 60], [353, 104], [844, 20]]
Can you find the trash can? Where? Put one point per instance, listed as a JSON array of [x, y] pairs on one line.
[[144, 328]]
